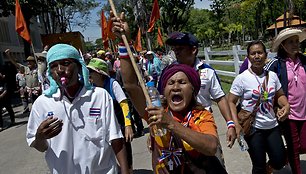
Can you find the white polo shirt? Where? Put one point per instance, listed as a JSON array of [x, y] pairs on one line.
[[210, 84], [118, 92], [89, 126]]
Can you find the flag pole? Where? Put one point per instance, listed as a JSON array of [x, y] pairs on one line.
[[141, 82], [32, 46], [112, 46]]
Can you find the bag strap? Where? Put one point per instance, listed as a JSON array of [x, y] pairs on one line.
[[108, 86]]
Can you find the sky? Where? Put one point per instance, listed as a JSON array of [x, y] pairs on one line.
[[93, 31]]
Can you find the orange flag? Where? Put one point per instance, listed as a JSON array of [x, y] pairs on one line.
[[104, 30], [20, 24], [159, 37], [154, 16], [110, 34], [137, 45]]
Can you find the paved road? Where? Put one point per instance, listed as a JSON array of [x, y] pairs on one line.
[[17, 158]]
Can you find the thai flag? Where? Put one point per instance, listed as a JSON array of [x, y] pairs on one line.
[[94, 112]]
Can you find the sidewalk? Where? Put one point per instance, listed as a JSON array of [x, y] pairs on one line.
[[18, 158]]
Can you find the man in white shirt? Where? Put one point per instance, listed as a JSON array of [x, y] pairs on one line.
[[73, 122]]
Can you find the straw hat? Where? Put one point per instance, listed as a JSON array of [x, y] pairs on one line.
[[285, 34]]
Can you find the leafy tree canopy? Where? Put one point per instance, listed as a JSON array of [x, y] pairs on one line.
[[57, 15]]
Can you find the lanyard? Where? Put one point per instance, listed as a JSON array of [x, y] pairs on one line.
[[173, 154], [263, 90], [188, 116]]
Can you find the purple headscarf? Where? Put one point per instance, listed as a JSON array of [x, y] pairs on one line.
[[192, 75]]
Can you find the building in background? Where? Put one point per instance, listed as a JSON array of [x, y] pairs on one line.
[[9, 39]]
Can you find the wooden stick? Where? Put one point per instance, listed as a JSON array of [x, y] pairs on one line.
[[32, 46], [141, 82]]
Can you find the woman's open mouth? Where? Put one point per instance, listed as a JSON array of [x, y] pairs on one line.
[[176, 99]]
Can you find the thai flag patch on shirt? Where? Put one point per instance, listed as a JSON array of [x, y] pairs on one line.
[[94, 112]]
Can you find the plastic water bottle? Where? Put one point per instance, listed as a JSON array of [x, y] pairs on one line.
[[154, 94], [156, 101], [242, 143]]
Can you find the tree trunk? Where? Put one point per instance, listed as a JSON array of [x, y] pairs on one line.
[[256, 24], [229, 37]]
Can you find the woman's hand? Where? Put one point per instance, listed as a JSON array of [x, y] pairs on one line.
[[282, 114], [231, 137], [282, 101], [238, 129], [129, 134], [119, 25], [157, 115]]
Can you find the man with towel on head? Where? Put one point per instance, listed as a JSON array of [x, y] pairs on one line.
[[74, 122]]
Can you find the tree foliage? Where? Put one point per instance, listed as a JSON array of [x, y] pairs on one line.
[[56, 15], [89, 46], [174, 14], [228, 21], [251, 18]]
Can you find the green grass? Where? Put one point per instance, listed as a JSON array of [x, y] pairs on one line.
[[226, 87], [224, 67], [226, 81]]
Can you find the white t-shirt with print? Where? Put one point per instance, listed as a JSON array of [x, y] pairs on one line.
[[210, 84], [89, 126], [248, 89]]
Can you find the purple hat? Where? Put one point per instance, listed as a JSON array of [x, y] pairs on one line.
[[182, 38], [192, 75]]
